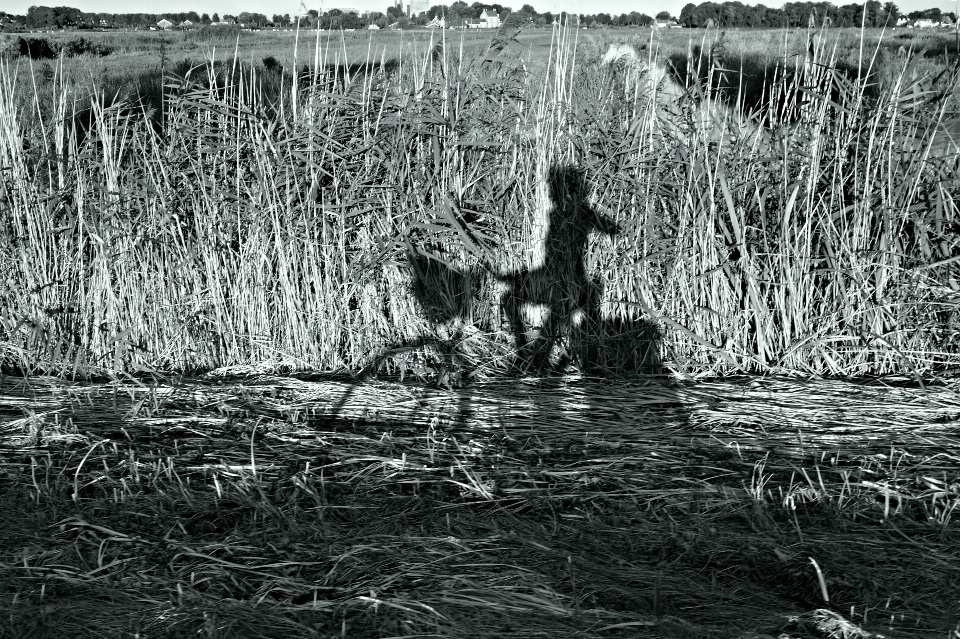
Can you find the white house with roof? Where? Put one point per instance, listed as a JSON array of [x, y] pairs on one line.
[[489, 19], [165, 24]]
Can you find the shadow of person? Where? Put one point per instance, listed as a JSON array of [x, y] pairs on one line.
[[558, 295]]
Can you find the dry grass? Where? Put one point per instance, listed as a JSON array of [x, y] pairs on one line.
[[262, 215], [273, 506]]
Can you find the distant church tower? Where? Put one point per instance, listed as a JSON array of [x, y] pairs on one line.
[[416, 7]]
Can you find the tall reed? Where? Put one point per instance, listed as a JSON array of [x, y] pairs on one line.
[[254, 227]]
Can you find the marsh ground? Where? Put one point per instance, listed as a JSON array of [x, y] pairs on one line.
[[260, 506]]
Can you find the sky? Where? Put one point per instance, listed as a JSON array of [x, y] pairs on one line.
[[271, 7]]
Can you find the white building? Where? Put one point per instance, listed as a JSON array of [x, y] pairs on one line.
[[416, 7], [489, 19], [164, 24]]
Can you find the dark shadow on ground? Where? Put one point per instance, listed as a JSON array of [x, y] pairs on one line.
[[745, 81], [551, 307]]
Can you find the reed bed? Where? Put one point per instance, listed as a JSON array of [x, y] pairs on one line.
[[264, 215], [567, 506]]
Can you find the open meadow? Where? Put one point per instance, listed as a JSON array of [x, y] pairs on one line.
[[407, 334]]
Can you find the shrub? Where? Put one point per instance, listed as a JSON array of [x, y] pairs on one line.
[[270, 63], [80, 46], [37, 48]]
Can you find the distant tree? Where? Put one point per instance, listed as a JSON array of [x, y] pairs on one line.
[[216, 17], [849, 15], [55, 18], [664, 16], [890, 14], [926, 14], [205, 18], [520, 18], [351, 21], [248, 19]]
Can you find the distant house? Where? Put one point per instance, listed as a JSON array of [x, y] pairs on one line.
[[165, 24], [491, 17], [668, 24], [437, 23], [186, 24], [926, 24], [372, 27]]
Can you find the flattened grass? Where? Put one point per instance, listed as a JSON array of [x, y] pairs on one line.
[[281, 507]]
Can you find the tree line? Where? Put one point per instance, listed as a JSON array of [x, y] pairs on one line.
[[722, 14], [800, 14], [72, 18]]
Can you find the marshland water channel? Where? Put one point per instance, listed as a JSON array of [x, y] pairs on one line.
[[576, 505]]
